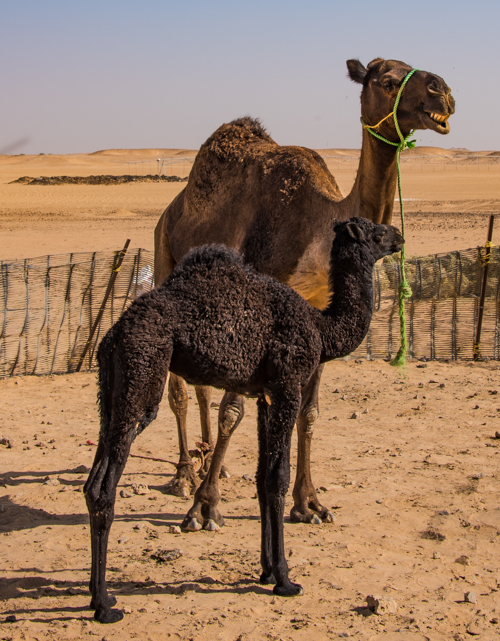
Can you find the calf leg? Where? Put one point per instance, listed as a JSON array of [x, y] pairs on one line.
[[185, 481], [307, 508], [272, 483], [204, 510], [100, 494]]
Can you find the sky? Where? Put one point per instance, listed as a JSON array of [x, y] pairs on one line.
[[82, 75]]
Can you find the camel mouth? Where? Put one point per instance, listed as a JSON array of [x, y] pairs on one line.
[[436, 122]]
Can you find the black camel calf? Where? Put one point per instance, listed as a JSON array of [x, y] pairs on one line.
[[215, 321]]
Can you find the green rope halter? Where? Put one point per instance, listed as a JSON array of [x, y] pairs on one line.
[[404, 288]]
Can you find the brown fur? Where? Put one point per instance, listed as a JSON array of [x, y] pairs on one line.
[[276, 205]]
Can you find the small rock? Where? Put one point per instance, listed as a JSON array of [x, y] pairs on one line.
[[11, 618], [444, 513], [139, 526], [463, 560], [355, 415], [475, 628], [495, 620], [470, 597], [379, 501], [436, 555], [442, 385], [343, 397], [122, 539], [365, 411], [140, 488], [81, 469], [248, 477], [497, 435], [336, 391], [174, 529], [208, 579], [476, 477], [52, 482], [127, 610], [422, 365], [381, 604], [163, 556], [8, 444], [125, 494]]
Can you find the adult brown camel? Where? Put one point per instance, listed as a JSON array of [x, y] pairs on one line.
[[276, 205]]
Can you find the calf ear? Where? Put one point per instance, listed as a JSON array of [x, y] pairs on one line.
[[356, 232], [356, 71]]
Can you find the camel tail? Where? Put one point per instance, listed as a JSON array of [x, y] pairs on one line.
[[105, 360]]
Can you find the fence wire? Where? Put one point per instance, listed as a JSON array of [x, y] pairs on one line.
[[48, 306]]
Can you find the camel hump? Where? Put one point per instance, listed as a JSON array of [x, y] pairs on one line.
[[207, 258], [234, 140]]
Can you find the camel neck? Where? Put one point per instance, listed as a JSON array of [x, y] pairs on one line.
[[345, 322], [372, 195]]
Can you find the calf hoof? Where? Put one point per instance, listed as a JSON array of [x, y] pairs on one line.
[[191, 525], [328, 517], [106, 615], [111, 602], [292, 589], [211, 525], [267, 579]]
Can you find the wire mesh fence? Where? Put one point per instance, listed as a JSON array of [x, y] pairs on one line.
[[48, 306]]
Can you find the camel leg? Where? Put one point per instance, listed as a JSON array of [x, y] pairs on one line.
[[204, 510], [100, 494], [204, 396], [273, 477], [185, 481], [307, 508]]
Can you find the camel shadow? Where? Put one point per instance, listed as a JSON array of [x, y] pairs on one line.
[[16, 517]]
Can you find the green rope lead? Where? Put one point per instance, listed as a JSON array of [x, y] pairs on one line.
[[404, 289]]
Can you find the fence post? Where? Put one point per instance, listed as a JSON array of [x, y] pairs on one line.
[[114, 273], [485, 261]]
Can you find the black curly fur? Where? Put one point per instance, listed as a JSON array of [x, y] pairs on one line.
[[216, 321]]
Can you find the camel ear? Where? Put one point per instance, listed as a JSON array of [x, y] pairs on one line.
[[392, 79], [355, 232], [356, 71]]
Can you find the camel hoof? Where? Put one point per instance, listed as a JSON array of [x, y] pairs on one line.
[[192, 526], [108, 616], [211, 526], [315, 520], [328, 517], [293, 589], [267, 579], [111, 602]]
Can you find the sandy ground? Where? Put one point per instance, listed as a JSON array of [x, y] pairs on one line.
[[413, 481]]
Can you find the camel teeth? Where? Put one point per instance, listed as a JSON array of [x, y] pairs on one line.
[[437, 117]]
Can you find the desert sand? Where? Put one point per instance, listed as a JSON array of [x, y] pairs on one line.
[[412, 480]]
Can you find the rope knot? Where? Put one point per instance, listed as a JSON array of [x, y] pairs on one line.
[[405, 290]]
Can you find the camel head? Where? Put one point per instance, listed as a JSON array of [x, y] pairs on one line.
[[426, 102], [377, 240]]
